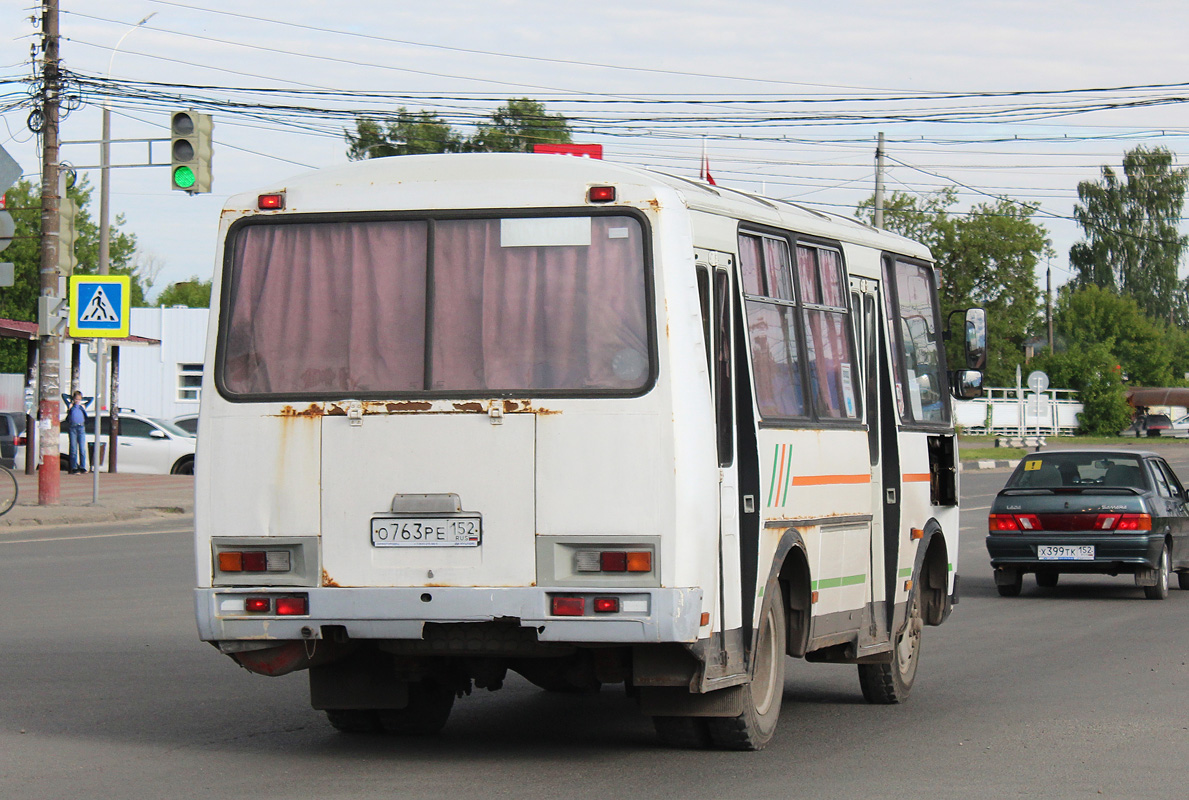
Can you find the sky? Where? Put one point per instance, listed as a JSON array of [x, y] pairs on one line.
[[787, 97]]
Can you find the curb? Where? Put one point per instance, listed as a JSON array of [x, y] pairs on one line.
[[966, 465]]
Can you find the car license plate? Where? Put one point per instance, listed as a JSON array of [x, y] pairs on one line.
[[452, 531], [1065, 552]]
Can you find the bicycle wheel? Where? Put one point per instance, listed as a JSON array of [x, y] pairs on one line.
[[8, 490]]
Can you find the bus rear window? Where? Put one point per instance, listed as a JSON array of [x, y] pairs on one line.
[[451, 306]]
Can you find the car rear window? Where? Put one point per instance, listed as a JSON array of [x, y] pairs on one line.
[[1078, 471]]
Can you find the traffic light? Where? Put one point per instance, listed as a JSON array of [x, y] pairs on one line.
[[190, 151], [67, 236]]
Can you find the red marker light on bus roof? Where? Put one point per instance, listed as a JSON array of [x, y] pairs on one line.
[[271, 202], [601, 194]]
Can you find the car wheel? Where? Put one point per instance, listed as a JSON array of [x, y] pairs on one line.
[[886, 684], [1013, 588], [1183, 580], [184, 466], [1047, 578], [763, 695], [1160, 590]]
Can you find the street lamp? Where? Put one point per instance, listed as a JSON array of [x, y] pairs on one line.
[[104, 269], [105, 164]]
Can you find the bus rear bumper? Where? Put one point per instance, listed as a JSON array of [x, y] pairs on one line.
[[644, 615]]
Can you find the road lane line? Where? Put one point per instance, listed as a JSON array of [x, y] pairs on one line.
[[90, 536]]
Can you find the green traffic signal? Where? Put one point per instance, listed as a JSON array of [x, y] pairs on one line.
[[183, 177]]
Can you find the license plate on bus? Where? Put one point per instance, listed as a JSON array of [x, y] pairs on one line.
[[452, 531], [1065, 552]]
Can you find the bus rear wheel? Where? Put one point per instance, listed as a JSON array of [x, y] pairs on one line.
[[754, 728], [886, 684], [429, 707]]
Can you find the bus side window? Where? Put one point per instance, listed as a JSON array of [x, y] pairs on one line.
[[704, 305], [722, 369]]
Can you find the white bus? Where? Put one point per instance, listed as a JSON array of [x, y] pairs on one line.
[[586, 422]]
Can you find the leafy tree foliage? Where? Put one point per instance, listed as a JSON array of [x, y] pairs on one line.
[[1133, 242], [406, 134], [1105, 338], [514, 127], [517, 126], [192, 293], [987, 257], [1095, 373], [20, 300]]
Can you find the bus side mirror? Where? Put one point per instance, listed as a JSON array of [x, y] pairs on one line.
[[976, 339], [967, 384]]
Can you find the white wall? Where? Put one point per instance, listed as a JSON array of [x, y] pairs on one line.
[[149, 374]]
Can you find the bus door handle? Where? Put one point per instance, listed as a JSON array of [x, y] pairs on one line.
[[891, 497]]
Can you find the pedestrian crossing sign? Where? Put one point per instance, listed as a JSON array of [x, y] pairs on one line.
[[100, 306]]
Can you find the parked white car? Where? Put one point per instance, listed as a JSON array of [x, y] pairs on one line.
[[147, 445]]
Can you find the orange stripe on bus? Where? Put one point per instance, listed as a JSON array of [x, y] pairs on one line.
[[916, 477], [826, 480]]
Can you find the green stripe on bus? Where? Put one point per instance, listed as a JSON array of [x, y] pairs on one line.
[[837, 583], [906, 572], [772, 487]]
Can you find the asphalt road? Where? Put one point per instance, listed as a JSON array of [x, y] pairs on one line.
[[105, 692]]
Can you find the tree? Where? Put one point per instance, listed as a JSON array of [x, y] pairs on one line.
[[404, 135], [987, 257], [1095, 374], [19, 301], [1133, 243], [1089, 316], [514, 127], [517, 126], [192, 293]]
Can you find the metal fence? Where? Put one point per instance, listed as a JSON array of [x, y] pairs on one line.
[[1004, 412]]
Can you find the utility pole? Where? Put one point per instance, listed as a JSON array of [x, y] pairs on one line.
[[1049, 301], [48, 478], [879, 182]]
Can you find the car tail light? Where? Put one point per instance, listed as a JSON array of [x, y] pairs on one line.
[[1002, 522], [1134, 522], [569, 606], [293, 606], [19, 441]]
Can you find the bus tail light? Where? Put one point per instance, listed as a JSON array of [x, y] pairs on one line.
[[613, 561], [606, 604], [255, 561], [601, 194], [271, 202], [297, 606], [568, 606], [258, 605]]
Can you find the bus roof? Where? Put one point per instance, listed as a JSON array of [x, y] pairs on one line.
[[522, 180]]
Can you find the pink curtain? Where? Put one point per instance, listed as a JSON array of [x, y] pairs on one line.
[[334, 307], [341, 308], [538, 317]]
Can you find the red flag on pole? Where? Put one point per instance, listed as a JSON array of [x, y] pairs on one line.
[[705, 174]]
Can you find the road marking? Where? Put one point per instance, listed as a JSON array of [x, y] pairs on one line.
[[90, 536]]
